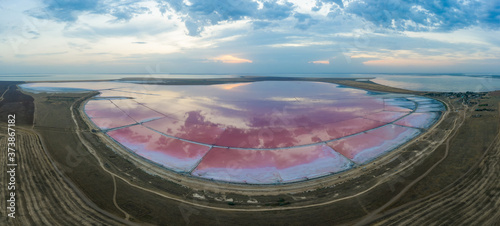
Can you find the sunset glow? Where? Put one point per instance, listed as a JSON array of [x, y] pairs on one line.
[[228, 59]]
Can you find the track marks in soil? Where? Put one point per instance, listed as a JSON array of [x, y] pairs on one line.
[[44, 196]]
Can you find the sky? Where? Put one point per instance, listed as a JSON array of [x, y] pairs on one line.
[[250, 36]]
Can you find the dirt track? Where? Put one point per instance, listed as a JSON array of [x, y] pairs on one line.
[[44, 196], [472, 199]]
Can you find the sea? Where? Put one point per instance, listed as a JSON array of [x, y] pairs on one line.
[[417, 82]]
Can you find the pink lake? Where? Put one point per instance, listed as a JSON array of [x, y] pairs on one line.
[[258, 133]]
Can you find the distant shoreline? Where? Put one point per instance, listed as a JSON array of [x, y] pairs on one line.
[[365, 83], [156, 80]]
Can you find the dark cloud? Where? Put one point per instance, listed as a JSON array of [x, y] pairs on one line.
[[69, 10], [222, 10], [34, 33], [319, 4], [65, 10], [490, 15], [127, 12], [421, 15], [193, 27], [201, 13], [273, 11], [412, 15], [261, 24], [304, 21], [338, 2]]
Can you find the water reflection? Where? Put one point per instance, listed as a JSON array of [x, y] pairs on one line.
[[261, 132], [270, 166], [171, 153], [365, 147]]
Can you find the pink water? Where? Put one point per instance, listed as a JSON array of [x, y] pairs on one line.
[[261, 132]]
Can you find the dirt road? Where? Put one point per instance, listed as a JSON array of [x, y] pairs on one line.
[[474, 198], [44, 196]]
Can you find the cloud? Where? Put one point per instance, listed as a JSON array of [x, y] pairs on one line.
[[304, 21], [222, 10], [320, 62], [96, 27], [261, 24], [490, 14], [408, 62], [274, 11], [277, 35], [228, 59], [70, 10], [422, 15], [319, 4], [338, 2], [127, 11], [201, 13], [417, 15], [64, 10], [40, 54]]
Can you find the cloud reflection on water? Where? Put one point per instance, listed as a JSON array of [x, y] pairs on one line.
[[272, 132]]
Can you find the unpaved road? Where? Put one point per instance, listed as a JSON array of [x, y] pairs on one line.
[[44, 195], [473, 199]]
